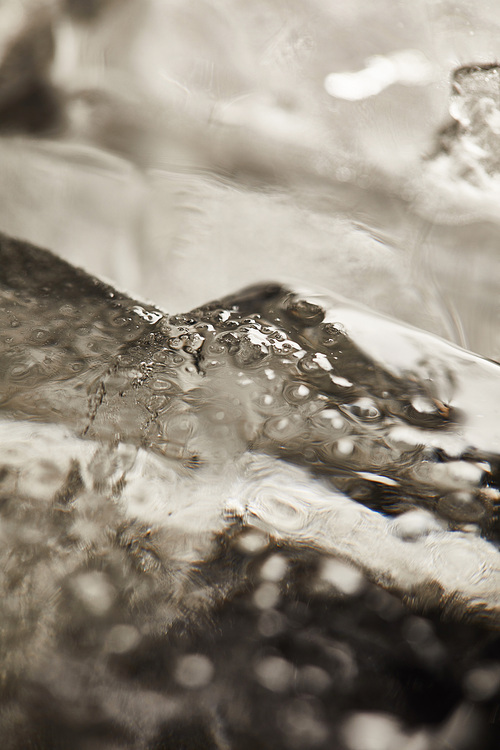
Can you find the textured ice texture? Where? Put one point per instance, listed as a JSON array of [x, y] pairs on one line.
[[220, 530], [245, 526]]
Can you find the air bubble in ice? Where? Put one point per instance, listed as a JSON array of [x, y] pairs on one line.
[[194, 671], [461, 506], [266, 595], [296, 393], [344, 577], [274, 673], [304, 313]]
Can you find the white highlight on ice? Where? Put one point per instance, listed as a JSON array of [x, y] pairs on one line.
[[409, 67]]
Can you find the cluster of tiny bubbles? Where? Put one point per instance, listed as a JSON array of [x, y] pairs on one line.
[[78, 320]]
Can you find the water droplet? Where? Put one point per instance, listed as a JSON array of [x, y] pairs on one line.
[[21, 371], [304, 313], [274, 568], [122, 638], [414, 524], [363, 408], [329, 419], [274, 673], [95, 592], [42, 336], [482, 682], [344, 446], [252, 541], [194, 671], [282, 428], [266, 595], [332, 335], [344, 577], [313, 679], [271, 622], [296, 393], [303, 724], [373, 731]]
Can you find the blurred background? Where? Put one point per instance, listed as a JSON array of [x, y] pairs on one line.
[[184, 149]]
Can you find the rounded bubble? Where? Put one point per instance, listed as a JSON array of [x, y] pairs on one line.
[[363, 408], [482, 682], [461, 506], [122, 638], [20, 371], [274, 568], [296, 393], [304, 313], [303, 724], [42, 336], [267, 402], [274, 673], [95, 592], [266, 596], [282, 428], [373, 731], [252, 541], [194, 671], [329, 419], [331, 334], [313, 679], [283, 349], [341, 449], [161, 383], [271, 622]]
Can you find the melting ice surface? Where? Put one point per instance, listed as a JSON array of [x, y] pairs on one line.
[[154, 466]]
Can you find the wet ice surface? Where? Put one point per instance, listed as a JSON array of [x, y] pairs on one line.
[[270, 522], [249, 524]]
